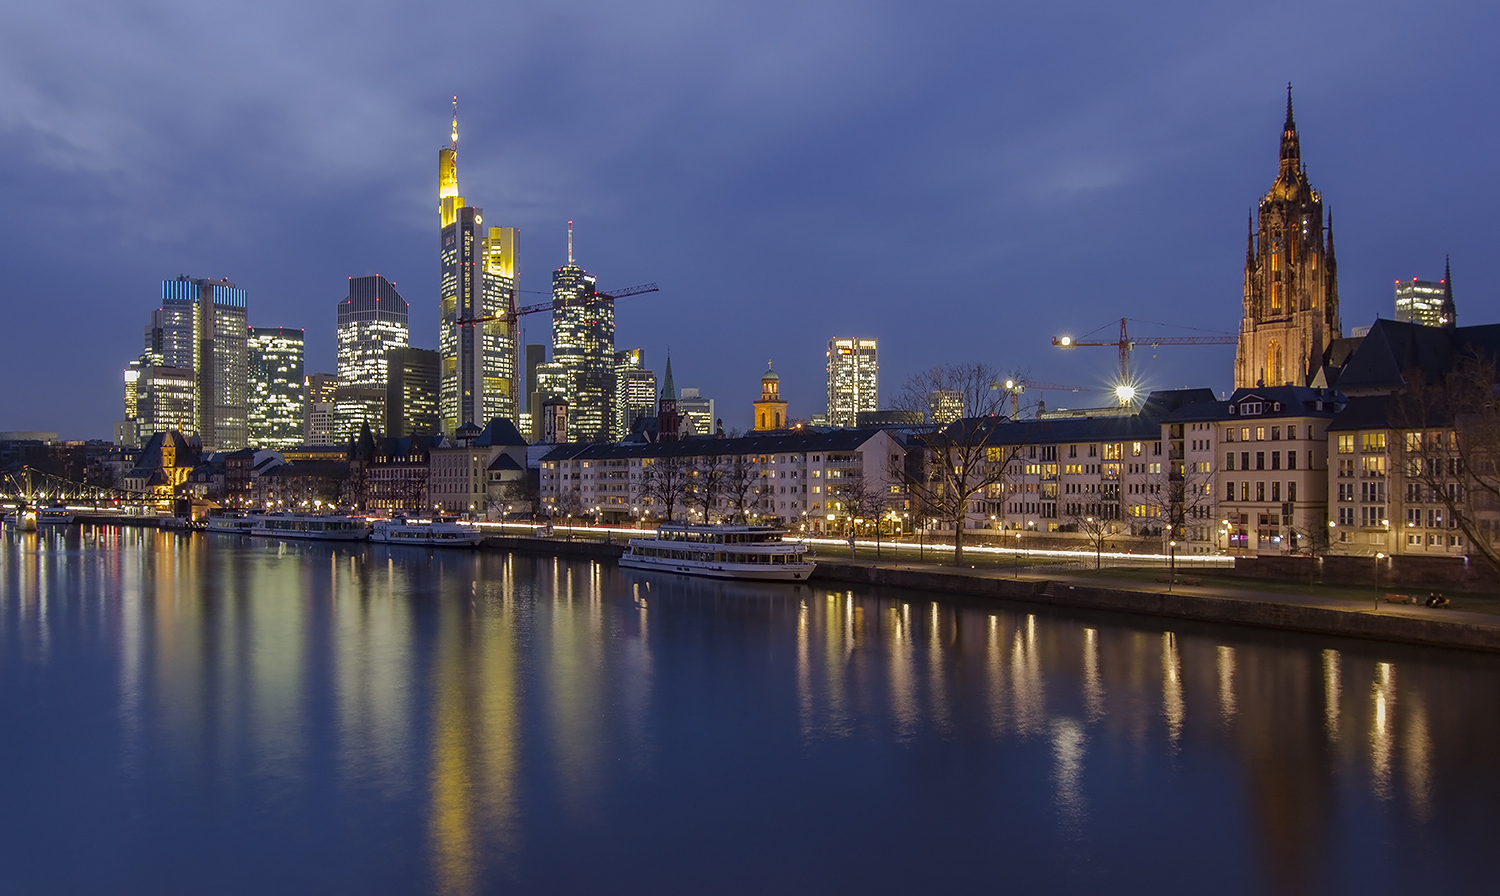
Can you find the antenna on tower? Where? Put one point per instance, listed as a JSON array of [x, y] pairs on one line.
[[570, 242], [455, 124]]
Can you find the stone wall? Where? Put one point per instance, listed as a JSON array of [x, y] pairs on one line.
[[1399, 573]]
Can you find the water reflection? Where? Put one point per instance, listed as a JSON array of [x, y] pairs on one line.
[[496, 708]]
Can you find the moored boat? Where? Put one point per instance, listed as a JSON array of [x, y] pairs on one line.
[[235, 522], [721, 552], [426, 533], [59, 516], [321, 527]]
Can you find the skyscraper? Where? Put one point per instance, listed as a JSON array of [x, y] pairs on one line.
[[536, 355], [1427, 303], [276, 410], [583, 342], [635, 391], [158, 398], [853, 379], [319, 394], [411, 393], [477, 303], [1291, 307], [700, 410], [372, 320], [204, 327]]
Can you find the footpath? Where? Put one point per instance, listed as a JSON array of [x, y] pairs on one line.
[[1469, 622]]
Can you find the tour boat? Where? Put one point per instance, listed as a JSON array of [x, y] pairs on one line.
[[235, 522], [61, 516], [426, 533], [324, 527], [721, 552]]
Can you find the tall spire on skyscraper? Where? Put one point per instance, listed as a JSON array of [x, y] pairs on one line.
[[570, 242], [449, 202], [455, 124]]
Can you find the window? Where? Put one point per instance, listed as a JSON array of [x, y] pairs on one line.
[[1113, 450], [1229, 460], [1275, 460], [1244, 491], [1260, 433], [1260, 491], [1260, 460], [1346, 444], [1291, 491], [1291, 460], [1229, 491], [1229, 433], [1276, 491], [1244, 434], [1135, 449], [1372, 441], [1275, 433]]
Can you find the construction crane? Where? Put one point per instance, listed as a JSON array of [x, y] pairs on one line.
[[1124, 390], [1016, 385]]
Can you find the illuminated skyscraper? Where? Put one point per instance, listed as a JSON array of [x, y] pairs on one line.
[[157, 398], [477, 300], [583, 342], [693, 406], [372, 320], [411, 393], [319, 393], [853, 379], [276, 387], [1427, 303], [635, 391], [204, 328]]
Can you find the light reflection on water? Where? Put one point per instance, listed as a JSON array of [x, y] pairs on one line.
[[402, 721]]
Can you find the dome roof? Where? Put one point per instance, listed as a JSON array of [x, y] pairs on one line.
[[769, 374]]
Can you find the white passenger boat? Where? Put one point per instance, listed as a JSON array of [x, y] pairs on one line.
[[235, 522], [426, 533], [721, 552], [61, 516], [323, 527]]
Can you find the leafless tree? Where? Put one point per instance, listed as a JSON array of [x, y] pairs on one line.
[[1174, 496], [962, 460], [1448, 447], [665, 482], [857, 498], [706, 485], [1096, 529], [742, 484]]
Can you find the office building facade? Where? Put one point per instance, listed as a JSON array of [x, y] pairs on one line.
[[204, 327], [413, 384], [853, 379], [277, 398], [1426, 302], [693, 406], [372, 320], [319, 391], [583, 343], [635, 391]]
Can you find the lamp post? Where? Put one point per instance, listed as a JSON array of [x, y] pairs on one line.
[[1017, 557]]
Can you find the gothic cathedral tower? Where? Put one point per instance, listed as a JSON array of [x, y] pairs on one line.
[[1291, 279]]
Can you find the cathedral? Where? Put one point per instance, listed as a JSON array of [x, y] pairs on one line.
[[1291, 279]]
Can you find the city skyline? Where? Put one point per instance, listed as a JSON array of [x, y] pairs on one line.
[[1012, 229]]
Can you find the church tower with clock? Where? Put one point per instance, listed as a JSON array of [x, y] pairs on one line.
[[1291, 279]]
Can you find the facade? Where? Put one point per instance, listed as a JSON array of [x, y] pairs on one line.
[[477, 473], [697, 409], [318, 394], [204, 327], [395, 479], [277, 398], [412, 386], [793, 478], [1291, 299], [770, 411], [944, 406], [372, 320], [635, 391], [583, 343], [1426, 302], [477, 304], [536, 355], [354, 408], [165, 397], [853, 379]]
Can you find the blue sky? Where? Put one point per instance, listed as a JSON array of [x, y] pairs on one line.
[[961, 180]]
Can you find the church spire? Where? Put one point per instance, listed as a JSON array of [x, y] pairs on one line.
[[668, 389], [1250, 238], [1449, 311], [1291, 149]]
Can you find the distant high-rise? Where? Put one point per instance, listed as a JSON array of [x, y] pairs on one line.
[[477, 302], [411, 393], [536, 355], [583, 342], [698, 409], [158, 398], [276, 410], [853, 379], [635, 391], [1427, 303], [203, 326], [319, 394], [372, 320], [944, 406]]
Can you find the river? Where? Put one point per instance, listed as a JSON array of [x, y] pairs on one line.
[[203, 713]]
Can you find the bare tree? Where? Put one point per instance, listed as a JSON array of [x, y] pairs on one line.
[[1096, 530], [960, 461], [665, 482], [1174, 496], [1449, 448], [706, 485], [857, 498], [742, 484]]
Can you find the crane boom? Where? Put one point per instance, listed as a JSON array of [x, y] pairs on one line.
[[1126, 344], [617, 294]]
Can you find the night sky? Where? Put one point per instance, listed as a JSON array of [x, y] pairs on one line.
[[961, 180]]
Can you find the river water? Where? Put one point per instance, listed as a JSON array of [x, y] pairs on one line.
[[214, 714]]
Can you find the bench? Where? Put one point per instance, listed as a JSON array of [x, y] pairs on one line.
[[1400, 599]]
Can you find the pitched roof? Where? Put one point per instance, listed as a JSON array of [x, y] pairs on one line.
[[784, 442], [1394, 348], [500, 432]]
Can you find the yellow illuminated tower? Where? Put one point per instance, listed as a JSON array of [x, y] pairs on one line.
[[770, 411], [477, 295], [1291, 310]]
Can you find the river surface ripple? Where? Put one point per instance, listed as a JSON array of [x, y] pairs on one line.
[[213, 714]]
